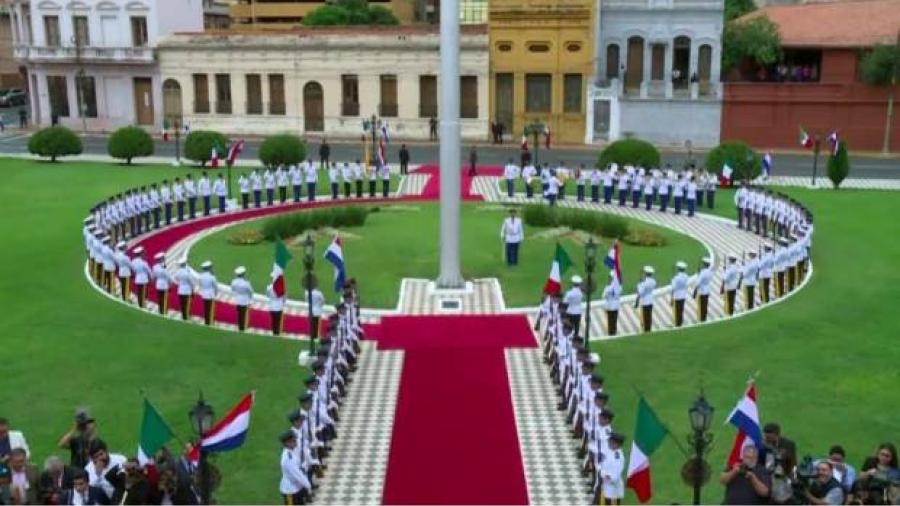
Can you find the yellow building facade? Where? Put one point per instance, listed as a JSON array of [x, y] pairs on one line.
[[281, 14], [541, 63]]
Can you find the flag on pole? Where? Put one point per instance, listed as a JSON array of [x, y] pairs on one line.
[[524, 142], [745, 417], [235, 150], [214, 158], [382, 158], [229, 432], [648, 435], [561, 262], [335, 255], [834, 141], [547, 136], [612, 261], [805, 140], [727, 171], [155, 433], [282, 257], [767, 163], [384, 132]]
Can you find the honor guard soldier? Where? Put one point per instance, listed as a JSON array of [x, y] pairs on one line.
[[281, 177], [645, 298], [574, 301], [649, 188], [665, 184], [712, 183], [243, 294], [612, 466], [204, 187], [165, 196], [162, 282], [372, 173], [740, 202], [109, 263], [552, 187], [178, 196], [700, 179], [703, 288], [334, 177], [221, 191], [385, 174], [190, 191], [184, 278], [244, 185], [609, 176], [528, 175], [123, 268], [581, 179], [678, 193], [510, 174], [358, 173], [596, 178], [679, 290], [141, 275], [624, 186], [293, 482], [612, 294], [347, 177], [512, 233], [749, 275], [730, 281], [766, 268], [691, 196], [637, 186], [295, 173], [269, 184], [792, 260], [781, 263], [256, 184], [208, 287], [276, 309], [155, 205], [562, 175], [312, 179]]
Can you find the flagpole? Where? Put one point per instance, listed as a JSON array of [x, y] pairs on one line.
[[817, 146]]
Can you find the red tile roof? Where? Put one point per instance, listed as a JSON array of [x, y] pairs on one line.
[[843, 23]]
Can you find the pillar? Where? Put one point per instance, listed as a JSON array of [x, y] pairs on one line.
[[667, 67], [694, 70], [648, 65]]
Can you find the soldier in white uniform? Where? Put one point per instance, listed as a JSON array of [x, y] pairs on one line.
[[703, 288], [155, 205], [384, 172], [123, 270], [347, 176], [731, 280], [256, 184], [190, 191], [358, 173], [293, 486], [244, 186], [691, 196], [581, 179], [766, 268], [334, 177], [165, 196], [608, 181], [141, 275], [108, 258], [624, 186], [372, 174], [512, 233], [781, 263], [637, 185], [740, 202], [645, 298], [574, 300], [281, 178], [162, 282], [296, 175], [204, 187], [679, 291], [243, 294], [528, 175], [276, 309], [612, 294], [178, 197], [184, 278], [208, 287], [749, 273], [221, 191], [510, 174], [678, 193], [596, 177], [312, 178], [612, 467], [269, 184], [649, 189], [665, 183]]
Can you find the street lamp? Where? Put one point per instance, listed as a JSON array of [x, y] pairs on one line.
[[534, 129], [817, 147], [696, 471], [590, 263], [201, 419], [372, 124], [690, 154], [309, 261]]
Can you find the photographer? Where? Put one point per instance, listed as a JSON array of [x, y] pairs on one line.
[[79, 438], [780, 462], [844, 473], [106, 471], [137, 486], [825, 489], [879, 480], [747, 482]]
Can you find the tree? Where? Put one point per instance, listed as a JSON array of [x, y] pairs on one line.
[[737, 8], [630, 152], [282, 149], [745, 163], [756, 39], [129, 142], [839, 165], [880, 67], [199, 144], [350, 12], [54, 142]]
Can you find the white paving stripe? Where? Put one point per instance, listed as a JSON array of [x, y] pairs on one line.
[[825, 183]]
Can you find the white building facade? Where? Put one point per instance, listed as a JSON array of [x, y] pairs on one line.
[[322, 81], [91, 63], [657, 72]]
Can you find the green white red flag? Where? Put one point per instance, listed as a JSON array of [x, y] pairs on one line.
[[155, 433], [648, 435], [282, 257], [805, 140], [561, 262]]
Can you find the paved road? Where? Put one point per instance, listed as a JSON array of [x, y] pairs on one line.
[[785, 164]]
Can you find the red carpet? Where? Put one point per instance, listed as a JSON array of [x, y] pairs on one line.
[[432, 189], [455, 439]]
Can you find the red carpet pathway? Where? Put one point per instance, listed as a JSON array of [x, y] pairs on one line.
[[432, 189], [455, 439]]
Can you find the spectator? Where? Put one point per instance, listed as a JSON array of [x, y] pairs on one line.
[[79, 438], [880, 476], [137, 486], [473, 160], [781, 452], [106, 470], [324, 153], [824, 489], [747, 481], [432, 128], [5, 493], [23, 118], [10, 440], [23, 478], [54, 480], [404, 159], [82, 492], [844, 473]]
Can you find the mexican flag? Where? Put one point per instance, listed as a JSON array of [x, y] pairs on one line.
[[805, 140], [561, 262], [648, 435], [155, 432], [282, 257]]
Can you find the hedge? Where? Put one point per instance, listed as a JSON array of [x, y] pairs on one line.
[[745, 163], [294, 224], [630, 152], [54, 142], [199, 144], [282, 149], [839, 165], [601, 224], [129, 142]]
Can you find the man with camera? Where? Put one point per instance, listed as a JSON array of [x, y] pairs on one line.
[[780, 461], [747, 481], [79, 438], [824, 489]]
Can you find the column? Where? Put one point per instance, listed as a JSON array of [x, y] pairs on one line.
[[667, 67], [715, 70], [694, 67], [648, 64]]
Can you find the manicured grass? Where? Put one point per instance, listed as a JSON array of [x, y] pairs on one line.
[[828, 357], [402, 241]]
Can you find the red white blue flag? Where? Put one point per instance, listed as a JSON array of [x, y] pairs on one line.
[[745, 417], [335, 256], [834, 141], [612, 261], [235, 150], [229, 432]]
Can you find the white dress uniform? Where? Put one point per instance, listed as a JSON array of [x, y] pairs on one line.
[[704, 281], [184, 277], [292, 478], [161, 277], [679, 286], [611, 469], [645, 291], [208, 286], [242, 290], [141, 271], [612, 295]]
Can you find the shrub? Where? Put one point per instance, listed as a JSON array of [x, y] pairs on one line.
[[290, 225], [602, 224], [199, 144], [630, 152], [745, 163], [129, 142], [54, 142], [839, 165], [246, 237], [282, 149], [644, 237], [539, 216]]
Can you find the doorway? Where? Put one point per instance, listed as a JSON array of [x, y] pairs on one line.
[[634, 73], [143, 100], [172, 102], [313, 107]]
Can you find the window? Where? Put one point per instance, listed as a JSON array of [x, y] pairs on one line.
[[51, 30], [468, 96], [539, 47], [201, 94], [657, 61], [276, 94], [223, 94], [612, 61], [705, 62], [572, 93], [254, 94], [59, 96], [138, 31], [573, 47], [503, 99], [87, 96], [388, 104], [427, 96], [538, 94], [82, 33], [504, 47], [349, 95]]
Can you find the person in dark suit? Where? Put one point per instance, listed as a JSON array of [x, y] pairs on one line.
[[324, 153], [779, 449], [18, 465], [54, 480], [82, 493], [404, 159]]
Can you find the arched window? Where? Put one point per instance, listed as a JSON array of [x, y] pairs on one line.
[[612, 61], [313, 107], [172, 111], [634, 72], [681, 62]]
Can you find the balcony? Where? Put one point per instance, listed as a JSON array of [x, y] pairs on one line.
[[124, 55]]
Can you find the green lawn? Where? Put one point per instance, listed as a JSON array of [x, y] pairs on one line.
[[402, 241], [828, 358]]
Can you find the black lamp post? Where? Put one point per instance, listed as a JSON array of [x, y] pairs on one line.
[[590, 264], [201, 419], [817, 147], [534, 129], [309, 247], [372, 124], [689, 145], [696, 470]]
